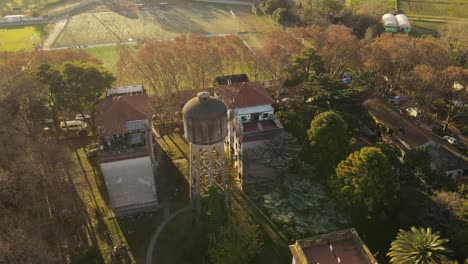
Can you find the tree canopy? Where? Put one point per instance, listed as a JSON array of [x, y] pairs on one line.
[[328, 142], [365, 182], [419, 245]]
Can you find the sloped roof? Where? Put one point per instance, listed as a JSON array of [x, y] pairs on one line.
[[113, 113], [244, 94]]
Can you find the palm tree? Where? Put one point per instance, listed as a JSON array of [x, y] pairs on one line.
[[419, 246]]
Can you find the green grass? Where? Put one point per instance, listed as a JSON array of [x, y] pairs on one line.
[[390, 3], [89, 186], [108, 55], [175, 146], [442, 9], [19, 38], [6, 6], [182, 18]]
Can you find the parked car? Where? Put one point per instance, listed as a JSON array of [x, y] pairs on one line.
[[82, 117], [73, 125], [451, 140]]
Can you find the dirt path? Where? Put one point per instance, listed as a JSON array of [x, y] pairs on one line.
[[54, 33]]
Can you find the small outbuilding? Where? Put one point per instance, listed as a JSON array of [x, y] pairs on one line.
[[403, 23], [390, 23]]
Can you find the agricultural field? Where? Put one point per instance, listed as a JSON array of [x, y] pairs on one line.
[[19, 38], [453, 9], [430, 17], [180, 18]]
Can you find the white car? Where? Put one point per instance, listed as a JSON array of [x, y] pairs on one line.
[[451, 140], [73, 125], [82, 117]]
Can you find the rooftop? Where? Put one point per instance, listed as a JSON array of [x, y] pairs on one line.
[[229, 79], [412, 135], [260, 130], [124, 90], [129, 146], [244, 94], [113, 113], [342, 246]]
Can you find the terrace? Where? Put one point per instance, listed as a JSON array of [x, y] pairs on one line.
[[252, 131], [126, 146]]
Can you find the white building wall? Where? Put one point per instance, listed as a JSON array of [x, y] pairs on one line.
[[130, 182]]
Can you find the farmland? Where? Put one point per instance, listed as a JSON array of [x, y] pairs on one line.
[[452, 9], [178, 19], [19, 38]]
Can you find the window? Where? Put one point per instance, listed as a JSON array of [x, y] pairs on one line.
[[265, 115], [244, 118]]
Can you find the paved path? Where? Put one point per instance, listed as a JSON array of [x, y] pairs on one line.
[[152, 245], [129, 42]]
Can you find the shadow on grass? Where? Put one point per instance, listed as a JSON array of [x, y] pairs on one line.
[[138, 230]]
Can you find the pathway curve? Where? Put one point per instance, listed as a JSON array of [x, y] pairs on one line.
[[54, 33], [152, 245]]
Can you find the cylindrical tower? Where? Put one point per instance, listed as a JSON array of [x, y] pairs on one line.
[[205, 127]]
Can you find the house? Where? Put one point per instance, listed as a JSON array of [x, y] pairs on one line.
[[251, 118], [342, 246], [126, 155]]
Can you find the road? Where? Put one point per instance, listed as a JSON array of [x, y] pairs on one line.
[[415, 135]]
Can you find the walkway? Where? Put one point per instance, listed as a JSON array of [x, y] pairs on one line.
[[152, 245], [54, 33]]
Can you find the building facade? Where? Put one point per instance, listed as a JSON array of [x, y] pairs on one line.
[[251, 119]]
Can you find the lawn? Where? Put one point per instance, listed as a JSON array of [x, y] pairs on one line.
[[7, 6], [453, 9], [179, 18], [18, 38], [108, 55]]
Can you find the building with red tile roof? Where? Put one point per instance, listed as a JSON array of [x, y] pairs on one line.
[[251, 118], [126, 155]]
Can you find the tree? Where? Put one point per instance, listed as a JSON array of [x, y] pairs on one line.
[[84, 84], [328, 142], [341, 51], [320, 11], [304, 64], [418, 246], [280, 15], [391, 56], [238, 242], [365, 182]]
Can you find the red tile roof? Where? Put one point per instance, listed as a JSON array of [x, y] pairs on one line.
[[244, 94], [113, 113]]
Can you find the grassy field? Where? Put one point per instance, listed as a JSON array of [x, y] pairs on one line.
[[108, 55], [180, 18], [8, 6], [454, 9], [19, 38]]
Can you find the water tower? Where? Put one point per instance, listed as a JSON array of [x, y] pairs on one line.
[[205, 127]]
